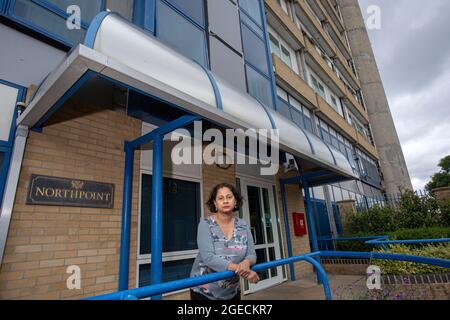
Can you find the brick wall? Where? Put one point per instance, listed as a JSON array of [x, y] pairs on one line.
[[81, 142], [295, 203]]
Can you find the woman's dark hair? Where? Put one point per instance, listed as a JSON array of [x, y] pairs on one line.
[[213, 195]]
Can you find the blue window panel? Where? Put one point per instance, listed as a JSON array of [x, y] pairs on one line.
[[181, 34], [50, 17], [326, 136], [335, 142], [144, 14], [308, 124], [283, 108], [194, 9], [2, 5], [249, 22], [254, 50], [181, 214], [297, 117], [259, 87], [172, 270], [253, 9]]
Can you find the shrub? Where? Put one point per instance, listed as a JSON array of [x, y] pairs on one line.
[[403, 234], [373, 220], [390, 267]]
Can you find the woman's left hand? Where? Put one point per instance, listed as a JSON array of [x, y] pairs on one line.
[[243, 269]]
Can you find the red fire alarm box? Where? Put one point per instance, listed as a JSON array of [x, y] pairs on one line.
[[299, 223]]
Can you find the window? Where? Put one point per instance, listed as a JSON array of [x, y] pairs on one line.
[[192, 8], [181, 215], [10, 94], [179, 33], [282, 50], [274, 45], [283, 5], [259, 87], [172, 270], [254, 49], [49, 17], [253, 9], [318, 87], [260, 83]]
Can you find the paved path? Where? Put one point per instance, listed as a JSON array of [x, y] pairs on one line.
[[306, 288]]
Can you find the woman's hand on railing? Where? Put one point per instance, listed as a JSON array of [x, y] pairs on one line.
[[253, 277], [243, 269]]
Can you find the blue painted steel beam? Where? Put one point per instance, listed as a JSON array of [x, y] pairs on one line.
[[311, 222], [310, 175], [69, 93], [157, 218], [214, 85], [286, 228], [328, 181], [126, 218], [161, 131]]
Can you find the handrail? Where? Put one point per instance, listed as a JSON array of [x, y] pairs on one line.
[[160, 288], [383, 240]]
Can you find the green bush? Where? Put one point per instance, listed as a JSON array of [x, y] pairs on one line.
[[374, 221], [411, 212], [390, 267], [403, 234]]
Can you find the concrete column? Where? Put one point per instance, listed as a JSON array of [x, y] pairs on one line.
[[392, 161]]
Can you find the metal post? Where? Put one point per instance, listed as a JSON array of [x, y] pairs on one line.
[[126, 218], [157, 222], [310, 217], [286, 227]]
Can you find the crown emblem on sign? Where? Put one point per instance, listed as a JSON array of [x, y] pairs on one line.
[[77, 184]]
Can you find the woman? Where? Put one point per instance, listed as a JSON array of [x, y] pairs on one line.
[[225, 243]]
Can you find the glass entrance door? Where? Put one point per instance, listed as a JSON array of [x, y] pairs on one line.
[[259, 212]]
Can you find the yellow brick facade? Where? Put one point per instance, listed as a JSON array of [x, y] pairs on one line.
[[80, 142]]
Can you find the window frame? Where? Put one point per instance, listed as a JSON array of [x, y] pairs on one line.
[[6, 147], [46, 5], [166, 256]]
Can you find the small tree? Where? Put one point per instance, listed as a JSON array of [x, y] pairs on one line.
[[442, 178]]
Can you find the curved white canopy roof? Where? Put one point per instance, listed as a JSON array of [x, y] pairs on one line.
[[116, 49]]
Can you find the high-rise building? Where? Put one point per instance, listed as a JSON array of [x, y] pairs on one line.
[[90, 92]]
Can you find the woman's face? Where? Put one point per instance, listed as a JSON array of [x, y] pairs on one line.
[[225, 201]]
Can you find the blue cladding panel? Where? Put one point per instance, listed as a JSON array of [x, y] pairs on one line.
[[180, 34]]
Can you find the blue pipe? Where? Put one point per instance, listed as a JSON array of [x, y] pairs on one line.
[[286, 228], [126, 218], [157, 221]]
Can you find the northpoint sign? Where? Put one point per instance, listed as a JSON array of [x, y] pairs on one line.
[[45, 190]]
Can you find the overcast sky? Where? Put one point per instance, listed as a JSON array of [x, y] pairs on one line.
[[412, 49]]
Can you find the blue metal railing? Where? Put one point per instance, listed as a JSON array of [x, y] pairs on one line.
[[383, 240], [160, 288]]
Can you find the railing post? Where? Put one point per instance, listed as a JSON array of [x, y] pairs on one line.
[[157, 221], [126, 218], [286, 227], [310, 215]]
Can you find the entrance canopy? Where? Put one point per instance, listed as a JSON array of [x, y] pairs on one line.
[[120, 52]]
